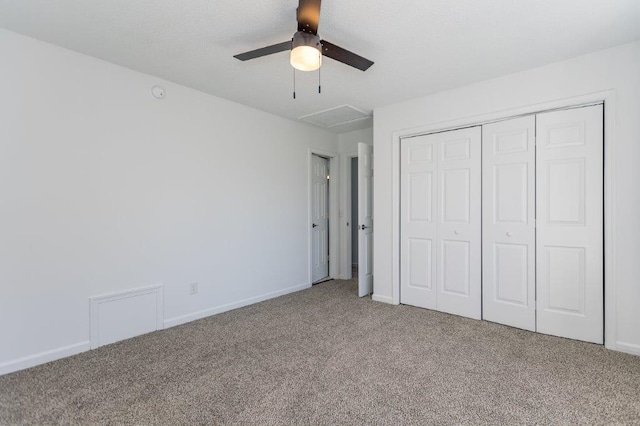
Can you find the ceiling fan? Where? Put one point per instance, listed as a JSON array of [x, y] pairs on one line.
[[306, 47]]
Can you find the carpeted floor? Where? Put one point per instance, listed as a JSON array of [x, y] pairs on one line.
[[324, 356]]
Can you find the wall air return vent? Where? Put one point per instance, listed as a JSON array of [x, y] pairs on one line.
[[337, 116]]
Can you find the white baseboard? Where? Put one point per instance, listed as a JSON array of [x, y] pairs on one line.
[[383, 299], [171, 322], [43, 357], [65, 351], [629, 348]]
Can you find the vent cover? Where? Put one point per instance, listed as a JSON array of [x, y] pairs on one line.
[[337, 116]]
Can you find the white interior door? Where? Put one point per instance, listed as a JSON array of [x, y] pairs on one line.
[[418, 221], [459, 244], [569, 212], [319, 218], [508, 222], [365, 219]]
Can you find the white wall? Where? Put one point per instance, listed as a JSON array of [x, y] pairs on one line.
[[618, 69], [348, 147], [104, 188], [348, 142]]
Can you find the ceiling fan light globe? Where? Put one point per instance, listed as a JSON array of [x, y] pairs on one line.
[[306, 58]]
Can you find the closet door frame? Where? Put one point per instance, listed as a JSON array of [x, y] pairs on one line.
[[608, 99]]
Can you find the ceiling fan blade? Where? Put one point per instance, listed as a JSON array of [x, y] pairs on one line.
[[264, 51], [343, 55], [308, 16]]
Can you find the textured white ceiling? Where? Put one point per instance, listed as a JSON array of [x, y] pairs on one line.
[[419, 47]]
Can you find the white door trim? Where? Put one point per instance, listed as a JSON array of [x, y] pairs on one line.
[[334, 172], [608, 98]]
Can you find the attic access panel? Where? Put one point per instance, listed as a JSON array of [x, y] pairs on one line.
[[336, 116]]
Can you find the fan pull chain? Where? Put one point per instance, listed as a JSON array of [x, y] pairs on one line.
[[294, 83]]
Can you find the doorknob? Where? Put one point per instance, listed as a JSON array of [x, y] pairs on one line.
[[456, 232], [363, 227], [314, 225], [509, 233]]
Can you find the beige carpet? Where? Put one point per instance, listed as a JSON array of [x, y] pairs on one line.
[[324, 356]]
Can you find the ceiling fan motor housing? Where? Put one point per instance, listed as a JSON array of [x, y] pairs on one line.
[[305, 39]]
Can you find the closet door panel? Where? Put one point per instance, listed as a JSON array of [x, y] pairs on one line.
[[418, 221], [459, 222], [569, 199], [508, 225]]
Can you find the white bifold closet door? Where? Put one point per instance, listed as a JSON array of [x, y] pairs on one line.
[[569, 212], [440, 225], [508, 223], [542, 237], [419, 225]]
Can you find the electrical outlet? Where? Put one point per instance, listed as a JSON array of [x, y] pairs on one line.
[[193, 288]]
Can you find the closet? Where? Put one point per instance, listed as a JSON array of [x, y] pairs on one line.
[[504, 222]]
